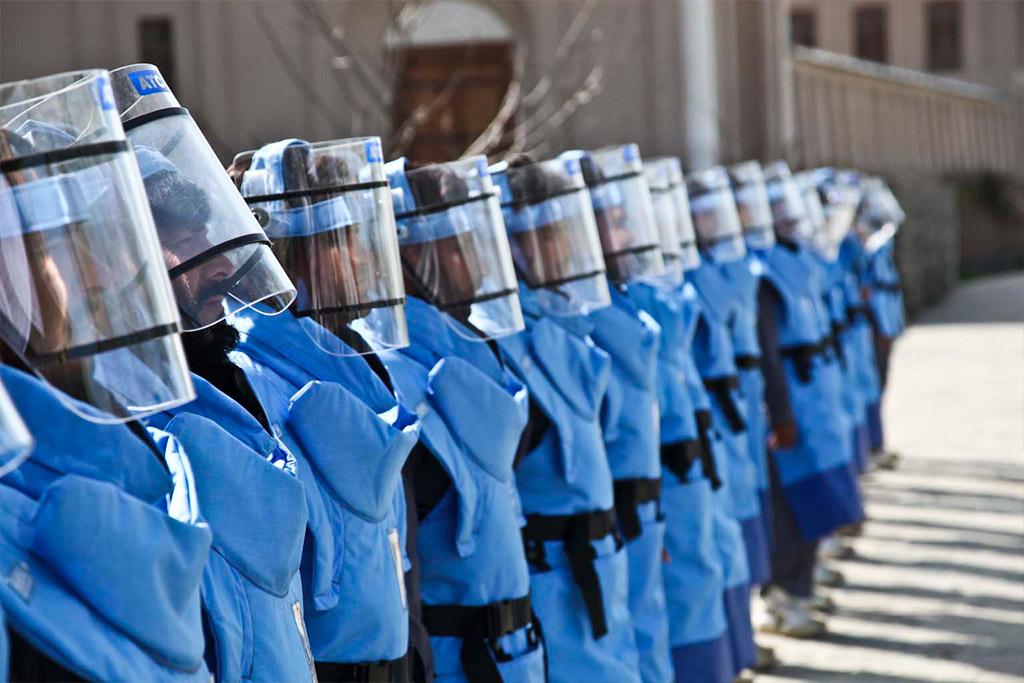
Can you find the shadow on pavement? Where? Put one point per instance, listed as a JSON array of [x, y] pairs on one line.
[[996, 299], [975, 600]]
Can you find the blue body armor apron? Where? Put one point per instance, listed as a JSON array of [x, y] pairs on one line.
[[351, 439], [578, 568], [473, 413], [631, 419], [107, 615], [722, 410], [745, 280], [249, 494], [815, 473], [694, 586], [886, 300], [726, 316]]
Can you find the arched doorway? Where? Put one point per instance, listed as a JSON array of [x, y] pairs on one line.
[[456, 67]]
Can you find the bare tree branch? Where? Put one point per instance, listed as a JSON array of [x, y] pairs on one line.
[[565, 48], [298, 77], [406, 132], [491, 137]]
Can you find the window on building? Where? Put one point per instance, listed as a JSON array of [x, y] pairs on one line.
[[872, 34], [944, 35], [802, 28], [156, 45]]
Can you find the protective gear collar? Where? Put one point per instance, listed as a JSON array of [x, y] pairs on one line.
[[81, 285], [553, 235], [15, 441], [453, 245], [217, 256], [327, 207]]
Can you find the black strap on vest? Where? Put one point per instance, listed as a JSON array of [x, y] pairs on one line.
[[679, 456], [629, 495], [746, 361], [835, 342], [707, 456], [722, 388], [387, 671], [855, 313], [802, 357], [576, 533], [480, 626]]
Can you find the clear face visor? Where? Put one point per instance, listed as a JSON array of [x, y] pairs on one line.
[[15, 441], [788, 210], [553, 236], [454, 249], [879, 210], [755, 214], [689, 254], [816, 224], [717, 224], [85, 300], [666, 215], [625, 216], [327, 208], [218, 258], [840, 205]]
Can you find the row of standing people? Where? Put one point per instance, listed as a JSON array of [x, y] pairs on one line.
[[323, 417]]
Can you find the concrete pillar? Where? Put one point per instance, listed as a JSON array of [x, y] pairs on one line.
[[697, 61]]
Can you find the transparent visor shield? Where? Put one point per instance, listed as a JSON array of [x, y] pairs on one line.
[[717, 224], [879, 215], [789, 212], [217, 256], [85, 301], [625, 215], [818, 238], [840, 207], [667, 218], [327, 208], [553, 236], [454, 248], [755, 214], [689, 255], [15, 441]]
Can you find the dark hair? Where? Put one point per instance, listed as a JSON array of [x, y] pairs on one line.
[[530, 181], [435, 184], [176, 201]]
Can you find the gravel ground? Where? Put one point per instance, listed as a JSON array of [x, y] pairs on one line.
[[936, 589]]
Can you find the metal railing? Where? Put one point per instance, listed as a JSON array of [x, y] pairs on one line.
[[881, 118]]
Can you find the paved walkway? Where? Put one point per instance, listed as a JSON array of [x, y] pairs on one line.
[[936, 592]]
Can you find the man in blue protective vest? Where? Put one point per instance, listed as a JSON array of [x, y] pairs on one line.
[[814, 487], [578, 567], [327, 208], [220, 263], [719, 235], [630, 416], [694, 578], [463, 296], [829, 216], [102, 547], [878, 219]]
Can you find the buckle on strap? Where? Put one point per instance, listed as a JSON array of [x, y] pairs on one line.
[[722, 388], [679, 457], [629, 494]]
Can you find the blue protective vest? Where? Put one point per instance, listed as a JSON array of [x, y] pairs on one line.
[[815, 473], [246, 486], [886, 299], [631, 420], [852, 260], [129, 614], [693, 577], [744, 278], [714, 354], [471, 553], [351, 438], [567, 474]]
